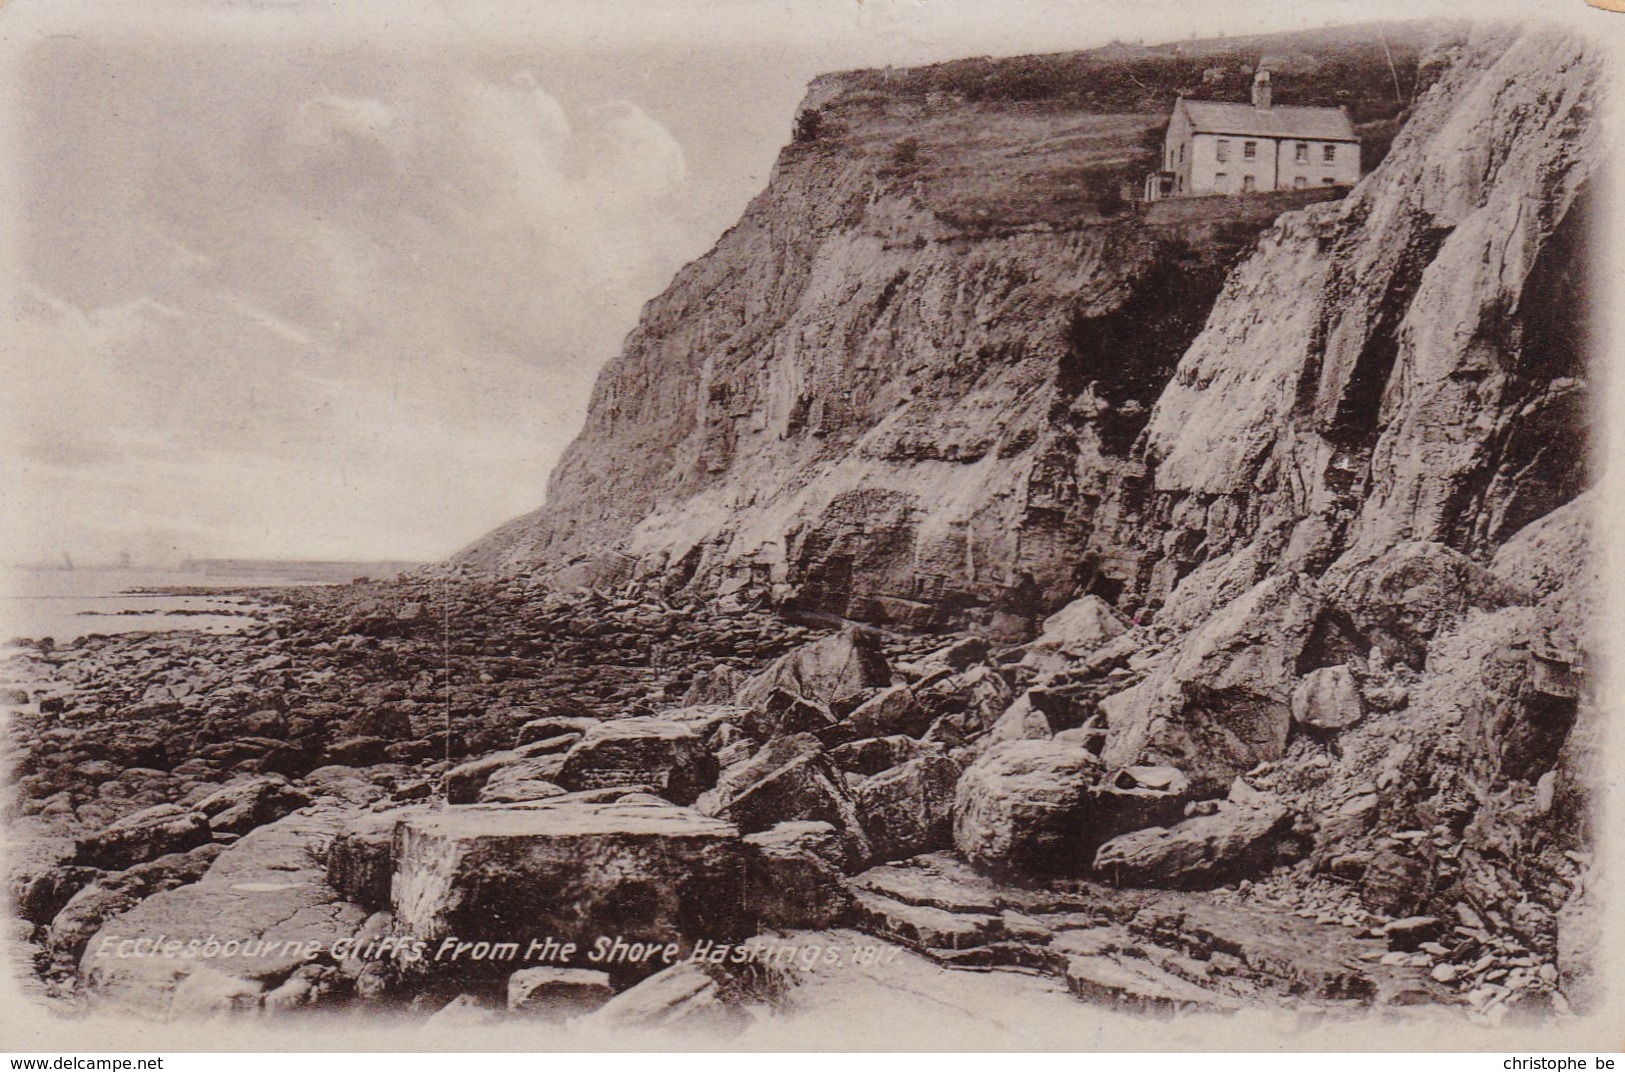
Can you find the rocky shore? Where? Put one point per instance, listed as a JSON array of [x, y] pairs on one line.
[[1186, 619], [373, 789]]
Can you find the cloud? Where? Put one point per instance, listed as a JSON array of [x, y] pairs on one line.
[[323, 123], [362, 321]]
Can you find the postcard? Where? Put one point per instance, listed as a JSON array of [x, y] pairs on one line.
[[1045, 524]]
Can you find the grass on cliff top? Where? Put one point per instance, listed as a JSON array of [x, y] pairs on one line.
[[992, 145], [988, 166]]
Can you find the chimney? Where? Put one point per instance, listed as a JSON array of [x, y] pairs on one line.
[[1262, 94]]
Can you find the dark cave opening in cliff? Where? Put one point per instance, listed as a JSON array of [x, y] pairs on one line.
[[1128, 355]]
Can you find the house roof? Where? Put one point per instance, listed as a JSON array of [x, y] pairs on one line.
[[1319, 124]]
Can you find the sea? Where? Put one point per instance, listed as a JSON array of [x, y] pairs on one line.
[[65, 604]]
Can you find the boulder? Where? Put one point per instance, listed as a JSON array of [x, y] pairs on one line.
[[669, 756], [266, 892], [714, 685], [964, 706], [725, 734], [909, 809], [309, 985], [1327, 699], [707, 719], [1553, 553], [464, 781], [557, 993], [1134, 798], [207, 994], [1020, 807], [1409, 934], [688, 996], [522, 780], [41, 876], [736, 752], [1396, 883], [388, 723], [360, 861], [838, 671], [1072, 705], [144, 835], [1209, 850], [344, 785], [292, 758], [1080, 627], [888, 712], [1021, 721], [962, 654], [791, 882], [790, 778], [461, 1013], [240, 806], [578, 871], [111, 894], [357, 752], [875, 754], [783, 712], [1222, 704], [548, 747], [553, 726], [511, 787], [1413, 592], [1349, 819]]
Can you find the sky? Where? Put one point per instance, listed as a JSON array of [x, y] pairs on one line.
[[306, 279]]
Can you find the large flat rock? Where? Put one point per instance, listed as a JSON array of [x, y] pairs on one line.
[[145, 835], [574, 871], [261, 910]]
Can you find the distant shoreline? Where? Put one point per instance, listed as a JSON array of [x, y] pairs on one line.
[[62, 604]]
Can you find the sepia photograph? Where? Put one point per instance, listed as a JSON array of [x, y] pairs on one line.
[[886, 525]]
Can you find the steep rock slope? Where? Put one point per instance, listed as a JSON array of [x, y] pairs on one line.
[[1346, 510], [1407, 364], [907, 389], [1388, 390], [902, 386], [859, 409]]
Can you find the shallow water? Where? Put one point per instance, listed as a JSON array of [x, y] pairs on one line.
[[66, 604]]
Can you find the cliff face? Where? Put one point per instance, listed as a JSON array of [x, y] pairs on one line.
[[1407, 364], [852, 406], [925, 381]]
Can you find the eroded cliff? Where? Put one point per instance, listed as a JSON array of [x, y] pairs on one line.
[[1336, 490], [1314, 726], [907, 386]]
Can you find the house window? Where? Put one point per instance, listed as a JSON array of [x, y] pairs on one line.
[[1328, 181], [1299, 183], [1328, 153], [1249, 150], [1223, 152], [1302, 153], [1220, 181], [1249, 183]]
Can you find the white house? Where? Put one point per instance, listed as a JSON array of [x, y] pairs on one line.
[[1218, 148]]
